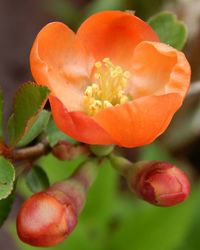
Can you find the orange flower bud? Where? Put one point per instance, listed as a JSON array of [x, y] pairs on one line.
[[159, 183], [44, 221]]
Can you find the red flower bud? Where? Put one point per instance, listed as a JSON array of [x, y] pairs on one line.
[[159, 183], [44, 221], [66, 151], [61, 150], [48, 217]]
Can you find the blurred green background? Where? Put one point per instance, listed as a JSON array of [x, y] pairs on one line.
[[112, 218]]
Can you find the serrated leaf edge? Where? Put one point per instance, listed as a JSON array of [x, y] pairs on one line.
[[36, 113], [14, 176], [43, 128]]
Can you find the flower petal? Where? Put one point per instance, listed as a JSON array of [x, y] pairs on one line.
[[78, 125], [139, 122], [114, 34], [60, 62], [159, 69]]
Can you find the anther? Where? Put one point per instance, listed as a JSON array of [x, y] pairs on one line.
[[95, 88], [106, 60], [127, 74], [124, 99], [113, 73], [119, 70], [97, 76], [108, 87], [89, 92], [98, 65], [107, 104]]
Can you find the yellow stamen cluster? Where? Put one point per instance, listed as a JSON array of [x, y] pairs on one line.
[[108, 87]]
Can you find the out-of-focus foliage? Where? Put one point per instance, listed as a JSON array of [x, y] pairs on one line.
[[37, 179], [64, 10], [192, 240], [188, 123], [53, 134], [5, 207], [145, 8], [100, 5], [68, 12], [155, 151]]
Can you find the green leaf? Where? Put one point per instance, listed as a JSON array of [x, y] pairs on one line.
[[1, 114], [170, 30], [36, 129], [7, 177], [54, 134], [29, 101], [5, 207], [55, 169], [37, 179]]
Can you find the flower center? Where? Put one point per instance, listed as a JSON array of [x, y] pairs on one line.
[[108, 87]]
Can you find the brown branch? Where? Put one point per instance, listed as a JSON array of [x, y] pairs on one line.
[[31, 152], [43, 148]]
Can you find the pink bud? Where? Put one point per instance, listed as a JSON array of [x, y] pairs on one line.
[[44, 221], [159, 183]]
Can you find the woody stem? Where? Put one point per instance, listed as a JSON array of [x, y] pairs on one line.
[[31, 152], [43, 148]]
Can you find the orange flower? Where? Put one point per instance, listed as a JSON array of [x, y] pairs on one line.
[[112, 82]]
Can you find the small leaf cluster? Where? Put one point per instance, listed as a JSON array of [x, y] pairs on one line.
[[28, 122]]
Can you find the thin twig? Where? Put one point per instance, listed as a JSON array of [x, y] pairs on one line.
[[43, 148], [31, 152]]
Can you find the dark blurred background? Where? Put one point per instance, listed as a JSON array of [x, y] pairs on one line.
[[121, 222]]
